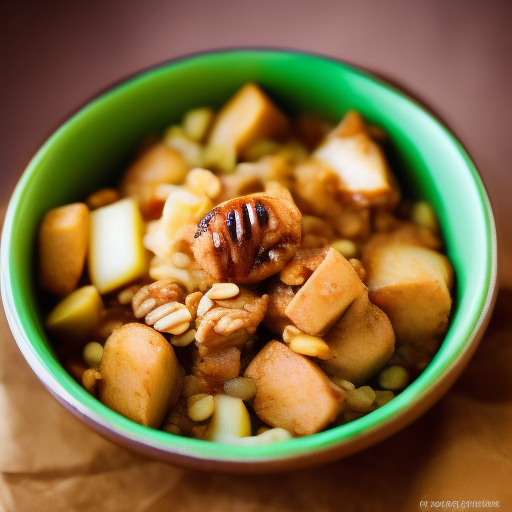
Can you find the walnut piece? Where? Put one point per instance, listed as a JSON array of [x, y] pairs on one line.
[[232, 323], [248, 238]]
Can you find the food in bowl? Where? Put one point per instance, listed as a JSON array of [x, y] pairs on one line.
[[250, 280]]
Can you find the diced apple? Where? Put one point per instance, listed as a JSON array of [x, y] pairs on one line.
[[74, 317], [292, 392], [116, 253], [63, 237], [230, 420], [140, 375], [411, 284], [362, 341], [361, 166], [248, 116], [326, 295]]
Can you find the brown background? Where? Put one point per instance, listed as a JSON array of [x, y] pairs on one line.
[[456, 55]]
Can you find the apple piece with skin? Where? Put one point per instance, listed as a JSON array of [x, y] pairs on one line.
[[116, 254], [362, 341], [247, 117], [326, 295], [230, 419], [292, 392], [140, 375], [63, 238], [75, 316]]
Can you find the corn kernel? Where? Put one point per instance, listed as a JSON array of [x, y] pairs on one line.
[[424, 215], [200, 407], [361, 399], [383, 397], [93, 352], [346, 248], [184, 339], [222, 291], [393, 378]]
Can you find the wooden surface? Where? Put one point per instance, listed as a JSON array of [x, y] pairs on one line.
[[455, 55]]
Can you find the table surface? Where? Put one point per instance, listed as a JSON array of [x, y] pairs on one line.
[[454, 55]]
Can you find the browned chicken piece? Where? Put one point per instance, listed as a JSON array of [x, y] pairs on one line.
[[362, 341], [316, 232], [411, 284], [280, 295], [302, 265], [292, 392], [222, 365], [326, 295], [248, 238], [230, 322], [316, 191], [157, 165]]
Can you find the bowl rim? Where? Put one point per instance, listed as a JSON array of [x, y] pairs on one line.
[[391, 417]]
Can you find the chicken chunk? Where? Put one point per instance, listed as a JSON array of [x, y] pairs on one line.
[[411, 284], [280, 295], [222, 365], [292, 392], [362, 341]]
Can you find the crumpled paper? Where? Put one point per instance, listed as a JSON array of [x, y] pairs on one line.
[[460, 450]]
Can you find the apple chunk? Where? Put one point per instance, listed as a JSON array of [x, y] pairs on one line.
[[361, 166], [411, 285], [63, 237], [140, 375], [248, 116], [116, 253], [292, 392], [230, 419], [362, 341], [74, 317], [326, 295]]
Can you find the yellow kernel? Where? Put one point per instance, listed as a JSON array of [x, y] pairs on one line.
[[424, 215], [93, 352], [383, 397], [196, 123], [173, 429], [181, 260], [394, 377], [184, 339], [200, 407], [346, 248], [310, 346], [193, 385], [240, 387], [361, 399]]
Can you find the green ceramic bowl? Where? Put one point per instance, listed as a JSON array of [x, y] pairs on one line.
[[91, 149]]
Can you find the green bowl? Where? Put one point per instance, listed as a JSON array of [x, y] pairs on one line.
[[92, 148]]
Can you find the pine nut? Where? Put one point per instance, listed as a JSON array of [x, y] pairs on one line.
[[289, 332], [178, 329], [424, 215], [144, 308], [163, 310], [200, 407], [205, 304], [310, 346], [173, 429], [184, 339], [181, 260], [240, 387], [223, 291], [383, 397], [174, 319]]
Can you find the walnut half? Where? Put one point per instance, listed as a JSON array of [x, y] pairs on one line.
[[248, 238]]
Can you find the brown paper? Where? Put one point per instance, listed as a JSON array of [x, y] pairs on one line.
[[460, 450]]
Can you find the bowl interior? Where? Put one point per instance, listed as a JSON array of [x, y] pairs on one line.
[[93, 147]]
